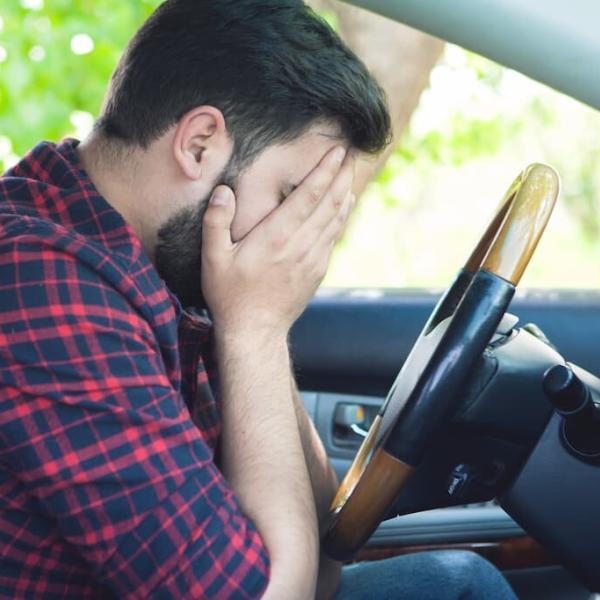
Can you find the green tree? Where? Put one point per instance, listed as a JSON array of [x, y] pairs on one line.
[[55, 61]]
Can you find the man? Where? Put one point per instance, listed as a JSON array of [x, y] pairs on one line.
[[120, 474]]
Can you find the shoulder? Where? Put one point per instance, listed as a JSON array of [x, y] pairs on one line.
[[66, 328], [37, 245], [46, 270], [51, 276], [41, 246]]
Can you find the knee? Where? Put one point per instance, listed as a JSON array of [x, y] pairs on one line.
[[473, 576]]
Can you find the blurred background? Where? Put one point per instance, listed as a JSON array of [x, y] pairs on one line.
[[464, 128]]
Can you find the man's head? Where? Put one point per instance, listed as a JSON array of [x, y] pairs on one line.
[[250, 93]]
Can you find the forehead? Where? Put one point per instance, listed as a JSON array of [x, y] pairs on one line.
[[290, 163]]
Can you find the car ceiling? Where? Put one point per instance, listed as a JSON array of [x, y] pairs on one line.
[[556, 42]]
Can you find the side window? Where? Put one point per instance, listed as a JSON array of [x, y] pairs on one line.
[[476, 127]]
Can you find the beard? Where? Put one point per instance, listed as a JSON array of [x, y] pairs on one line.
[[178, 257], [178, 254]]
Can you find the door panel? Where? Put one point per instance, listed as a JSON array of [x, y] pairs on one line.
[[445, 525], [340, 448], [346, 342]]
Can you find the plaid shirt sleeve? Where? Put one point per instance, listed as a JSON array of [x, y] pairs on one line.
[[94, 429]]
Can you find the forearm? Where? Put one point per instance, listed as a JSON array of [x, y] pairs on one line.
[[324, 483], [260, 284], [323, 479], [261, 445]]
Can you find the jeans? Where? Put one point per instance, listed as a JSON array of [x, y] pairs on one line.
[[439, 575]]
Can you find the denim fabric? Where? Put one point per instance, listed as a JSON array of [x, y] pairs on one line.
[[440, 575]]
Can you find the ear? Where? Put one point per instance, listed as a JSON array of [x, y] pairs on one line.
[[201, 145]]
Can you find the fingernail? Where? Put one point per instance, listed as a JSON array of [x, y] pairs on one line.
[[340, 154], [220, 197]]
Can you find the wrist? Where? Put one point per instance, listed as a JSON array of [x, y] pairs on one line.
[[250, 337]]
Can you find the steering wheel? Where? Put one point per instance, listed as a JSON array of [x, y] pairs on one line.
[[426, 392]]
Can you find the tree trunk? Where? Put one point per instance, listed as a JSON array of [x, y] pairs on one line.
[[399, 57]]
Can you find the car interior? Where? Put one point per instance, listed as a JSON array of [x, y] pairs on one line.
[[470, 419]]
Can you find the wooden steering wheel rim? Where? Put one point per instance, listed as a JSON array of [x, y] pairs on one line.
[[376, 477]]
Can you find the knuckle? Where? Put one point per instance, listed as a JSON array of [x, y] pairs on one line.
[[338, 202], [333, 170], [305, 250], [279, 241], [321, 271], [335, 234], [342, 217], [314, 194], [341, 196], [211, 219]]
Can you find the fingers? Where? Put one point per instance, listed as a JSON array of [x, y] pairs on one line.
[[303, 201], [329, 218], [337, 226], [216, 225], [321, 249], [338, 194]]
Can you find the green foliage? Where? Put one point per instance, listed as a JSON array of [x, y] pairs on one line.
[[43, 82], [331, 19], [476, 127], [464, 140], [56, 60], [583, 197]]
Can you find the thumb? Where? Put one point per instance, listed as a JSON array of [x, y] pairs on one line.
[[216, 225]]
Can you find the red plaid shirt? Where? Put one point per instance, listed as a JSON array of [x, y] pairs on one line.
[[108, 424]]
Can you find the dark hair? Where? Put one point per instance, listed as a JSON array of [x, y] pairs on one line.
[[273, 67]]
